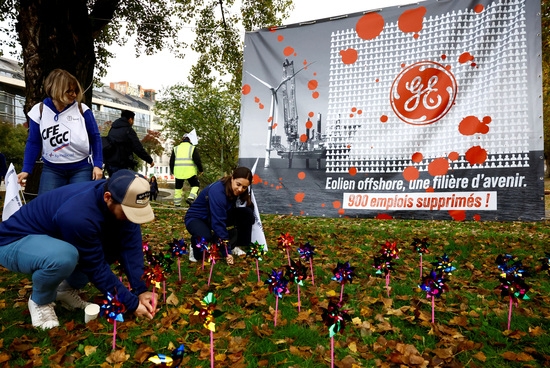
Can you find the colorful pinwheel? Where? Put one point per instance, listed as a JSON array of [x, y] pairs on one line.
[[434, 285], [421, 247], [278, 285], [307, 251], [512, 281], [342, 273], [286, 241], [208, 313], [335, 320], [113, 310], [444, 264], [256, 250], [178, 249], [296, 273]]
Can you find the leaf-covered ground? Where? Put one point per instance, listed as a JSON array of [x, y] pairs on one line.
[[386, 329]]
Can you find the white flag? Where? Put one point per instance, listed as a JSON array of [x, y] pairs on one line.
[[257, 229], [193, 137], [12, 201]]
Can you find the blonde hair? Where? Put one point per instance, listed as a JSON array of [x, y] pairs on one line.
[[58, 82]]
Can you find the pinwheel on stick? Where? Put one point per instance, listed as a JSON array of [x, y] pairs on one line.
[[307, 251]]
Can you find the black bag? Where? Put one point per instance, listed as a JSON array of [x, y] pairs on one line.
[[109, 147]]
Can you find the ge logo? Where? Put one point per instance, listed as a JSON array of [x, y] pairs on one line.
[[423, 93]]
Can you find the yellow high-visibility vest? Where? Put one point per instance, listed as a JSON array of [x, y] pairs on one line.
[[184, 167]]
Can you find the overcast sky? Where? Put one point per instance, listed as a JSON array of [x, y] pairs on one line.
[[163, 70]]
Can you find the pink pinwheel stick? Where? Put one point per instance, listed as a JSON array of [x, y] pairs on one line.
[[276, 310], [258, 270], [114, 335], [433, 309], [332, 352], [388, 283], [420, 266], [341, 291], [288, 256], [203, 257], [299, 303], [211, 268], [211, 349], [311, 268], [179, 269], [510, 311]]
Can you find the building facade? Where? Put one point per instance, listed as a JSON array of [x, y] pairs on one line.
[[107, 104]]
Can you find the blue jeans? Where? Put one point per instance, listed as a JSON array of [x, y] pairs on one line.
[[53, 178], [48, 260]]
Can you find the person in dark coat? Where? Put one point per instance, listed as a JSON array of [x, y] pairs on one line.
[[127, 143], [3, 167]]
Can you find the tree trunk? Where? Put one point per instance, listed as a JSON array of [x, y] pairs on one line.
[[55, 34]]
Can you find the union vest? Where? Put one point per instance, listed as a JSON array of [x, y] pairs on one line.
[[184, 167]]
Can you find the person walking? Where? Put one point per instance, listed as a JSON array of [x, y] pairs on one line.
[[70, 236], [185, 164], [63, 131], [125, 138], [222, 204], [154, 187]]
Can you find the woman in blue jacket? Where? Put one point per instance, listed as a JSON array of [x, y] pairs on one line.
[[222, 204]]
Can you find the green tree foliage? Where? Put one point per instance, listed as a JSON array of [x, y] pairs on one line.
[[12, 143], [214, 114]]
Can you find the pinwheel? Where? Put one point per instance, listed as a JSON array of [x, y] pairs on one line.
[[278, 285], [307, 251], [342, 273], [421, 247], [286, 241], [296, 273], [384, 262], [208, 313], [154, 275], [256, 250], [512, 281], [202, 245], [178, 249], [335, 320], [113, 310], [434, 285], [444, 264], [213, 255]]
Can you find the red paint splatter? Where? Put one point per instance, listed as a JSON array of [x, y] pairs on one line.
[[439, 166], [411, 20], [351, 115], [323, 205], [336, 204], [476, 155], [352, 171], [369, 26], [411, 173], [354, 109], [280, 38], [341, 211], [261, 106], [384, 118], [479, 8], [453, 156], [465, 57], [246, 89], [349, 56], [309, 124], [312, 84], [458, 215], [377, 80], [256, 179], [301, 175], [443, 57], [299, 197], [430, 190], [315, 95], [288, 51], [417, 157], [471, 125], [311, 114], [477, 217], [303, 138], [384, 216], [274, 125], [256, 99], [359, 112]]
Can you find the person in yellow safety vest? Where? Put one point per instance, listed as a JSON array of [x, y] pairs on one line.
[[185, 164]]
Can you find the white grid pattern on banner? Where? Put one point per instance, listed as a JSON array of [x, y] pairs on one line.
[[495, 87]]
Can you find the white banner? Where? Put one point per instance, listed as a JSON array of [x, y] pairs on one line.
[[12, 201], [257, 229]]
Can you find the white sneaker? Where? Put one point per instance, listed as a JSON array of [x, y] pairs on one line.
[[192, 257], [43, 316], [71, 300], [238, 251]]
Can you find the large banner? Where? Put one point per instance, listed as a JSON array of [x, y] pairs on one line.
[[428, 111]]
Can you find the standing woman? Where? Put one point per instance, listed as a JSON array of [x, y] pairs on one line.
[[64, 131], [223, 203], [154, 187]]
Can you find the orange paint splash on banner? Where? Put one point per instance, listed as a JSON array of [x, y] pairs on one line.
[[246, 89], [384, 118], [476, 155], [479, 8], [349, 56], [312, 84], [280, 38], [384, 216], [439, 166], [471, 125], [453, 156], [417, 157], [369, 26], [299, 197], [458, 215], [301, 175], [288, 51], [315, 95], [336, 204], [303, 138], [411, 173], [352, 171], [412, 20], [309, 124], [465, 57]]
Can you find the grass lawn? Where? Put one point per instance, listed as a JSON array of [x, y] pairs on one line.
[[394, 330]]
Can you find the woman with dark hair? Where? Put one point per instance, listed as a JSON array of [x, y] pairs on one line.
[[222, 204]]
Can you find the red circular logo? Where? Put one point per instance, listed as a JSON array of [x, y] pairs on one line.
[[423, 93]]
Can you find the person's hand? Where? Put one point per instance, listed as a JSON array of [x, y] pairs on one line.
[[97, 173], [146, 305], [152, 164], [22, 177], [230, 260]]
